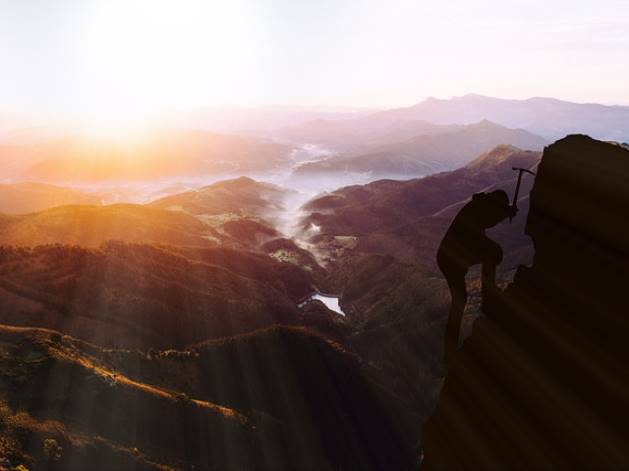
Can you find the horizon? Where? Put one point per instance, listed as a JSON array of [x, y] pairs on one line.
[[159, 118]]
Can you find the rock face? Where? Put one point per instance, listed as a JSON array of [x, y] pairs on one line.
[[542, 382]]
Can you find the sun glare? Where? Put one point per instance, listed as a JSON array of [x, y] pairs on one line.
[[142, 56], [122, 126]]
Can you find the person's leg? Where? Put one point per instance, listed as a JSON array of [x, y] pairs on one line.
[[458, 291], [488, 278], [491, 257]]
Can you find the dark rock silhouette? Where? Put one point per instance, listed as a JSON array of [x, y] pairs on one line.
[[542, 382]]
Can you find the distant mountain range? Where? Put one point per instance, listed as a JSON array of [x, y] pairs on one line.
[[434, 149], [22, 198], [433, 135], [439, 134], [261, 120], [158, 154], [548, 117]]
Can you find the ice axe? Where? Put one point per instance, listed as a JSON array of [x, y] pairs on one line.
[[520, 171]]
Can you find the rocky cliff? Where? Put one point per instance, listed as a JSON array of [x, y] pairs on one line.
[[542, 382]]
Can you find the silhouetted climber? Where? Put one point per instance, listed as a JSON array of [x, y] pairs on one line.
[[466, 244]]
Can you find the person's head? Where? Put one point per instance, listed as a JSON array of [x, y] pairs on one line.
[[493, 207]]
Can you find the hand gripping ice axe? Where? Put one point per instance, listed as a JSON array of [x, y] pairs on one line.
[[514, 205]]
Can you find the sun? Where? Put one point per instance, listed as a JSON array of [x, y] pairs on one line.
[[140, 57]]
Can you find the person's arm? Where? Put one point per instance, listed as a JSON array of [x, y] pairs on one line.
[[492, 252]]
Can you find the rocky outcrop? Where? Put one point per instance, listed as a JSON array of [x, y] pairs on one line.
[[542, 382]]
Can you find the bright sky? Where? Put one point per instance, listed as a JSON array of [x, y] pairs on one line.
[[106, 57]]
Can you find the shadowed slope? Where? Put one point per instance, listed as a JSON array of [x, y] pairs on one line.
[[384, 204], [102, 414], [280, 398], [138, 295]]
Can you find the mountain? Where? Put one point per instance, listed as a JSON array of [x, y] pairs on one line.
[[72, 405], [383, 237], [239, 213], [91, 226], [147, 296], [385, 204], [242, 196], [22, 198], [240, 209], [18, 151], [428, 153], [163, 153], [547, 117], [541, 381], [262, 120], [356, 135], [379, 243]]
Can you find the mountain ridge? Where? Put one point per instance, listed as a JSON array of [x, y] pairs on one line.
[[549, 117], [429, 153]]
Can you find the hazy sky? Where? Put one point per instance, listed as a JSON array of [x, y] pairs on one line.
[[134, 56]]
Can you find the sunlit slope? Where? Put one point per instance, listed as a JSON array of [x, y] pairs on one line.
[[242, 196], [154, 154], [241, 210], [237, 213], [247, 213], [90, 226]]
